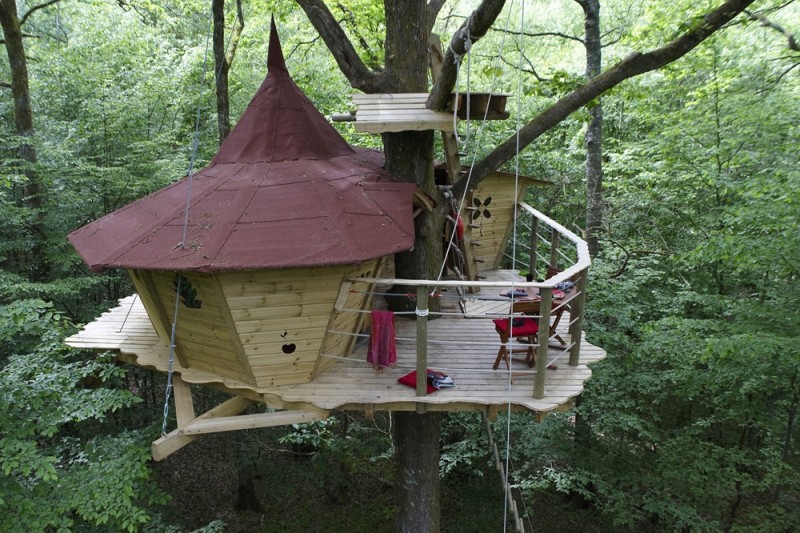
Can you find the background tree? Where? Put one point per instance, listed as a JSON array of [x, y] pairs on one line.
[[61, 464], [30, 194], [594, 129], [223, 59]]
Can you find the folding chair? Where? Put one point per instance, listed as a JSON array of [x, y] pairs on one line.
[[523, 325]]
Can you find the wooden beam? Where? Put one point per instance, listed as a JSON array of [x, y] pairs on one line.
[[175, 440], [259, 420], [184, 407], [546, 295], [422, 344], [534, 247]]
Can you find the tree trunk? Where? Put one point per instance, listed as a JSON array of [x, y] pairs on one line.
[[221, 70], [23, 120], [409, 155], [223, 58], [416, 440], [594, 132]]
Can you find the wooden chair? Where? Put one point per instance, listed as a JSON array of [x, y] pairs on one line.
[[523, 325]]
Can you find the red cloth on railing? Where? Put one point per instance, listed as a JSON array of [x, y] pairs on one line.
[[382, 351]]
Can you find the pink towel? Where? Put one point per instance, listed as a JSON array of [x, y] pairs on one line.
[[382, 351]]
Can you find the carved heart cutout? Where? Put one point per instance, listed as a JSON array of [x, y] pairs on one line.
[[288, 348]]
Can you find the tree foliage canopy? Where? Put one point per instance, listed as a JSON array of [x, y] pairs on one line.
[[691, 422]]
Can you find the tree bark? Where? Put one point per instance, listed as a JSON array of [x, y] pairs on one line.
[[223, 59], [475, 27], [635, 64], [23, 121], [351, 65], [594, 130], [416, 440]]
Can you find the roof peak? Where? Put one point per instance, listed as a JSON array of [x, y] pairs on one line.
[[275, 61], [280, 123]]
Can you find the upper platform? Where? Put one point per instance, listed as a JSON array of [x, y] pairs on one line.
[[378, 113]]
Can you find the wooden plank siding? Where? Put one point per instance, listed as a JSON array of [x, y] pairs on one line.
[[492, 235], [377, 113], [463, 348], [203, 337], [281, 318]]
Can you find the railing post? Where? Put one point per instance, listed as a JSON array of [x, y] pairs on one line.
[[546, 294], [534, 246], [555, 237], [576, 319], [422, 344]]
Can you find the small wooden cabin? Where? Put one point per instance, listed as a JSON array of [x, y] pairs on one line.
[[284, 215]]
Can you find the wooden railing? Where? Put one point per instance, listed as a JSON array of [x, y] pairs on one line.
[[566, 257]]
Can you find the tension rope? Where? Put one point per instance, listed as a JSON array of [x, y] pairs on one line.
[[508, 503], [182, 244]]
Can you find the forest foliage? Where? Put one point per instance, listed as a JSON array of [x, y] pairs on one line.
[[689, 424]]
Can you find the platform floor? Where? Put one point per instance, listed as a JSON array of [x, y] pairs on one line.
[[463, 348]]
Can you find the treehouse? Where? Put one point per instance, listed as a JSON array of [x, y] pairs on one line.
[[262, 275]]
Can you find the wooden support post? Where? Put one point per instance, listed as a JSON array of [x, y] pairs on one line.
[[448, 138], [184, 407], [534, 245], [576, 311], [546, 294], [512, 504], [554, 240], [453, 160], [422, 345]]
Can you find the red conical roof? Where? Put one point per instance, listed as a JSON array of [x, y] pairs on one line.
[[284, 190]]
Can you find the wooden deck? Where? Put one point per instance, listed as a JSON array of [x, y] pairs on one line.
[[463, 348]]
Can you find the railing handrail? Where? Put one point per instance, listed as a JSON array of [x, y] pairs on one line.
[[583, 262], [580, 266], [582, 248]]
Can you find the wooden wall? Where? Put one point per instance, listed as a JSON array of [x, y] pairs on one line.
[[353, 298], [490, 234], [205, 338], [263, 327], [281, 317]]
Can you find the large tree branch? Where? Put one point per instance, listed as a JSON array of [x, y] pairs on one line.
[[236, 34], [791, 41], [356, 72], [471, 30], [634, 65], [36, 8], [434, 6]]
